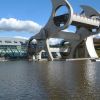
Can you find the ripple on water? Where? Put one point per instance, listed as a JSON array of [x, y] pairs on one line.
[[65, 80]]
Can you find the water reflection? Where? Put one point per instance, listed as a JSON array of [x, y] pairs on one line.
[[72, 80], [90, 73]]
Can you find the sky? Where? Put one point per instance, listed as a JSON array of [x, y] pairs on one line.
[[26, 17]]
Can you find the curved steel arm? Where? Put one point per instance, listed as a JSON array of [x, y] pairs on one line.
[[66, 36], [89, 11], [50, 26]]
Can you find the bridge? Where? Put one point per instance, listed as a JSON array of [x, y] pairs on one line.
[[87, 23]]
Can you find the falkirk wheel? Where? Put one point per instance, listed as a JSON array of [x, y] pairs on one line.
[[87, 24]]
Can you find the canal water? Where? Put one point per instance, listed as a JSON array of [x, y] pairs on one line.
[[57, 80]]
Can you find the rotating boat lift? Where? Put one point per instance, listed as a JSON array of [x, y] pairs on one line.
[[87, 24]]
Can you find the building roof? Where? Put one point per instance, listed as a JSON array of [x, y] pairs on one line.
[[11, 41]]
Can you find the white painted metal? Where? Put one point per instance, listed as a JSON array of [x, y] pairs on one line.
[[85, 20], [90, 47]]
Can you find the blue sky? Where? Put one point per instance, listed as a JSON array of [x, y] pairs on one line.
[[35, 10]]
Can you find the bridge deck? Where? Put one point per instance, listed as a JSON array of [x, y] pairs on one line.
[[83, 20]]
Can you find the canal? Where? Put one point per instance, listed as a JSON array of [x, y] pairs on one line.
[[57, 80]]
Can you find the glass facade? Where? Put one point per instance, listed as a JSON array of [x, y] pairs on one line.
[[13, 48], [13, 51]]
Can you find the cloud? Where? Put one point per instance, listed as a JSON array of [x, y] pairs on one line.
[[53, 41], [21, 37], [97, 36], [66, 30], [13, 24]]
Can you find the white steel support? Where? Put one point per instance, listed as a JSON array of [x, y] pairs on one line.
[[90, 47]]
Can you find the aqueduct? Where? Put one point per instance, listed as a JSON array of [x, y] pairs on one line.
[[87, 23]]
